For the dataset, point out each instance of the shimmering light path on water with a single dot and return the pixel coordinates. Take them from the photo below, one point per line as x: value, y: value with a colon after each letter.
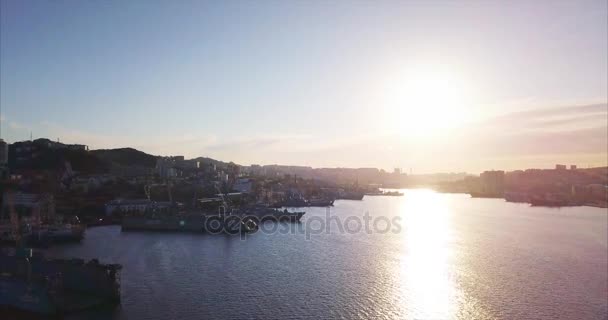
x: 444, y: 257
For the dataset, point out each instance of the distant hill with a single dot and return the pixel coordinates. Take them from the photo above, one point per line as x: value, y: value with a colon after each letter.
x: 205, y: 160
x: 126, y: 157
x: 44, y: 154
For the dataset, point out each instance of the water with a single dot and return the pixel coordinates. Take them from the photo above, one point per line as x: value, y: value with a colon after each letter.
x: 449, y: 257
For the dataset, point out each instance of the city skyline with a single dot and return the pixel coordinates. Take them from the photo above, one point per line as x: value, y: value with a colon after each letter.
x: 493, y: 86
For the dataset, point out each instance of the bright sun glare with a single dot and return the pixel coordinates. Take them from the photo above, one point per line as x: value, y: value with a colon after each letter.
x: 426, y: 100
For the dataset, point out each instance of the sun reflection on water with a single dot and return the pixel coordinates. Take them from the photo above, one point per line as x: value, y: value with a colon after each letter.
x: 425, y: 270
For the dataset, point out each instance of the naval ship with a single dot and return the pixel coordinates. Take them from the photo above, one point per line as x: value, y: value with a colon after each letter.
x: 241, y: 220
x: 221, y: 218
x: 189, y: 222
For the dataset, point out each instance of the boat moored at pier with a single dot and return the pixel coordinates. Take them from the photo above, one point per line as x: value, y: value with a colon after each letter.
x: 41, y: 286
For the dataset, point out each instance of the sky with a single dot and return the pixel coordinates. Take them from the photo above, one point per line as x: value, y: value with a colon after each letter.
x: 435, y: 86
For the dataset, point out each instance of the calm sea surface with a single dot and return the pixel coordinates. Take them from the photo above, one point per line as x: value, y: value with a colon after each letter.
x: 444, y: 256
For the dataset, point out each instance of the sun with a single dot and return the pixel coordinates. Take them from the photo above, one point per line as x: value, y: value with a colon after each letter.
x: 427, y: 100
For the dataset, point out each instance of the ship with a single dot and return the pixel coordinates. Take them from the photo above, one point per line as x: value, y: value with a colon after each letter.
x: 55, y: 233
x: 385, y: 193
x: 549, y: 201
x: 320, y: 202
x: 265, y: 213
x: 351, y: 195
x: 190, y: 222
x: 486, y: 195
x: 393, y: 193
x: 20, y: 298
x: 224, y: 220
x: 292, y: 203
x: 33, y: 284
x: 44, y: 235
x: 520, y: 197
x: 34, y: 228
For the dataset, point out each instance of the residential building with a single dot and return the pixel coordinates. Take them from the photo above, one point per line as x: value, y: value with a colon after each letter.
x: 27, y: 205
x: 243, y: 185
x: 492, y: 183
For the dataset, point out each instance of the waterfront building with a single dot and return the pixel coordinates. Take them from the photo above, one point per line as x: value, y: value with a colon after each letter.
x: 492, y: 183
x: 165, y: 167
x: 175, y: 166
x: 27, y: 205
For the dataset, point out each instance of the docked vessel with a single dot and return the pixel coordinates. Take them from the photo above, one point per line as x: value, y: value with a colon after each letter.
x: 264, y: 213
x: 17, y: 296
x: 44, y: 235
x: 190, y: 222
x: 393, y: 193
x: 55, y: 233
x: 520, y: 197
x: 31, y: 219
x: 385, y: 193
x: 320, y: 202
x: 36, y: 285
x: 292, y: 203
x: 549, y: 202
x: 301, y: 203
x: 351, y: 195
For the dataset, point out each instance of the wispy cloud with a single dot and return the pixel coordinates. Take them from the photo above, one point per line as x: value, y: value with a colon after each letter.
x: 15, y: 125
x: 578, y: 134
x: 260, y: 142
x: 556, y: 119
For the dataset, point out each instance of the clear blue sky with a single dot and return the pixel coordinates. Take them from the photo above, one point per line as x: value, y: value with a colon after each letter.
x: 297, y: 82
